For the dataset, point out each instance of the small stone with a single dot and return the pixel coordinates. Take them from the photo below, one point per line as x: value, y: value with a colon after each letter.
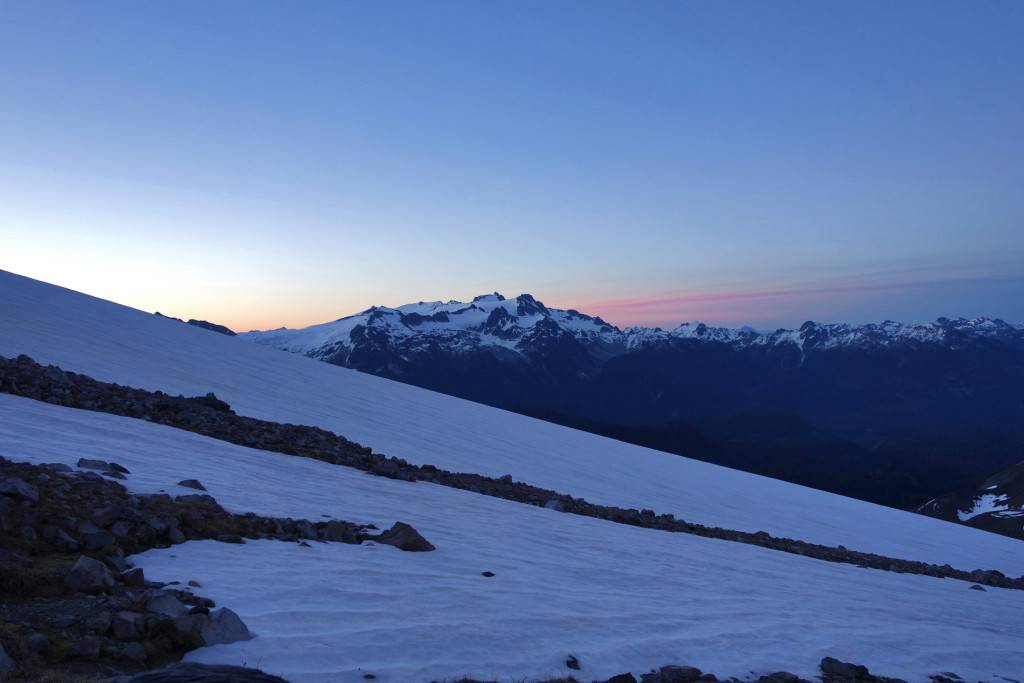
x: 976, y: 587
x: 87, y: 464
x: 573, y: 663
x: 487, y: 574
x: 192, y: 484
x: 194, y: 584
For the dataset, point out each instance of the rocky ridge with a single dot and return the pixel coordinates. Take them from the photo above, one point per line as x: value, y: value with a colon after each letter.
x: 211, y: 417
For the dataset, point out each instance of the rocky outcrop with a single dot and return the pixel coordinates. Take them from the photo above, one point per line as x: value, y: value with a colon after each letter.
x: 211, y: 417
x: 191, y: 672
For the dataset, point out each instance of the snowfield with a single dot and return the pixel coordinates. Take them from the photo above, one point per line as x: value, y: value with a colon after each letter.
x: 618, y: 598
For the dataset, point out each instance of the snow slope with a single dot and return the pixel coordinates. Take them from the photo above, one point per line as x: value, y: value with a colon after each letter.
x: 114, y: 343
x: 618, y: 598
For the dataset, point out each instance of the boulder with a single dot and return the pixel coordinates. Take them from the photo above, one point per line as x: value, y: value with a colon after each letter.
x: 404, y: 537
x: 134, y: 652
x: 224, y: 626
x: 622, y: 678
x: 162, y: 602
x: 6, y: 663
x: 19, y: 489
x: 673, y: 674
x: 835, y: 668
x: 340, y: 533
x: 192, y: 484
x: 128, y: 625
x: 89, y: 576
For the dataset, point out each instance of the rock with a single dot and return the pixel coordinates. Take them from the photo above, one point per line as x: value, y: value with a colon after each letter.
x: 7, y: 557
x: 230, y: 538
x: 60, y: 538
x: 673, y: 674
x: 853, y: 672
x: 63, y: 620
x: 340, y: 533
x: 191, y: 672
x: 573, y: 663
x: 175, y: 536
x: 56, y: 467
x: 128, y: 625
x: 404, y: 537
x: 134, y: 652
x: 116, y: 562
x: 87, y: 464
x: 97, y: 621
x: 85, y: 648
x: 99, y: 539
x: 113, y: 474
x: 89, y: 576
x: 779, y: 677
x: 487, y: 574
x: 192, y: 484
x: 6, y: 663
x: 162, y: 602
x: 976, y: 587
x: 224, y: 626
x: 19, y: 489
x: 37, y: 642
x: 622, y: 678
x: 134, y: 578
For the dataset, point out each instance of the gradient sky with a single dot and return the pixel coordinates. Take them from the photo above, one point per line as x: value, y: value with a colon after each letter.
x: 267, y: 164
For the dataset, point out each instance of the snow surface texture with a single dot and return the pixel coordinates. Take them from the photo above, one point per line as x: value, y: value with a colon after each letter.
x: 114, y: 343
x: 618, y: 598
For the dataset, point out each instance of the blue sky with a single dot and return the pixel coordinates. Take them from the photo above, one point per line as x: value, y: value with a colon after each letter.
x: 262, y: 164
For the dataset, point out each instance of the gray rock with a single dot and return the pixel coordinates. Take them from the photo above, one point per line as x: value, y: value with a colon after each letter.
x: 98, y: 539
x: 37, y: 642
x: 404, y: 537
x: 337, y: 532
x: 673, y: 674
x: 128, y: 625
x: 56, y: 467
x: 192, y: 484
x: 85, y: 648
x: 833, y: 667
x: 191, y: 672
x: 976, y: 587
x: 19, y: 490
x: 224, y: 626
x: 87, y: 464
x: 97, y: 621
x: 134, y: 578
x: 116, y: 562
x: 7, y: 557
x: 622, y: 678
x: 6, y: 663
x: 89, y: 576
x: 63, y: 620
x: 162, y: 602
x: 175, y: 536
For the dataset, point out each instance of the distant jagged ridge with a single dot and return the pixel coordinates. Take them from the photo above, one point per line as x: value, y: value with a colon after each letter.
x: 519, y: 324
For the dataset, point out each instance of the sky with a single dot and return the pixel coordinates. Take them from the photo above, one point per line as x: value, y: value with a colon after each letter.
x: 267, y: 164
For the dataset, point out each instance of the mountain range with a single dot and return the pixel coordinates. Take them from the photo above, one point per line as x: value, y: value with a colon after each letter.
x: 513, y: 591
x: 892, y: 413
